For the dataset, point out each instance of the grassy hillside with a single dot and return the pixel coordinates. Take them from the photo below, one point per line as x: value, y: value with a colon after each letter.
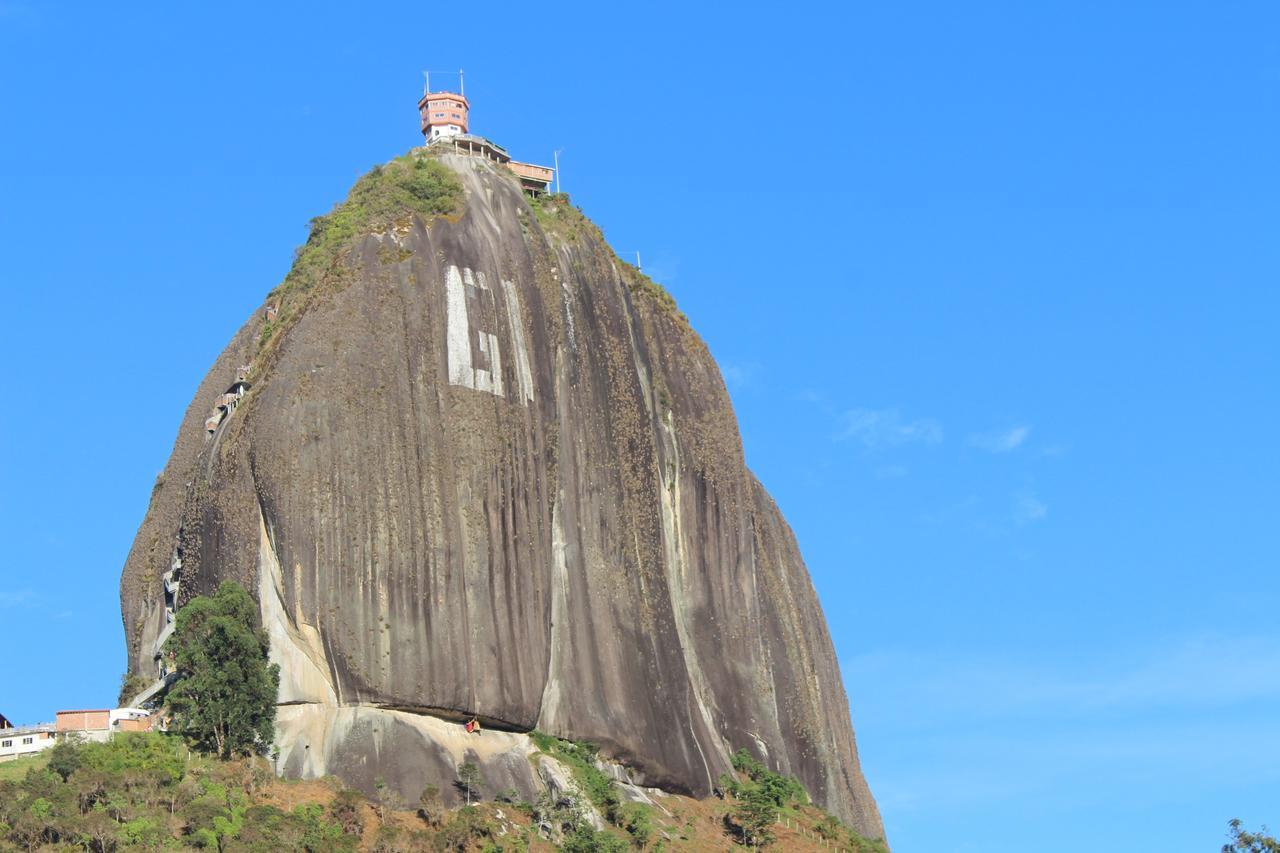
x: 150, y: 792
x: 14, y: 771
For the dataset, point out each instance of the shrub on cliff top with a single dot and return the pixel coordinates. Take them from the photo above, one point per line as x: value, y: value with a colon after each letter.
x: 387, y: 194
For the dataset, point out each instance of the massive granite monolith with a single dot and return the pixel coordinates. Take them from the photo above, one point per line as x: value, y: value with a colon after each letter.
x: 487, y: 469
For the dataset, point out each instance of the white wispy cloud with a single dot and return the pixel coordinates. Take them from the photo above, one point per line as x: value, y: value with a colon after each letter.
x: 737, y: 376
x: 17, y: 598
x: 1190, y: 672
x: 876, y: 428
x: 1005, y: 725
x: 663, y: 266
x: 1001, y: 440
x: 1027, y: 509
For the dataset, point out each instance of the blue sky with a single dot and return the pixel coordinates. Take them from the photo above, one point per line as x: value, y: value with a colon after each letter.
x: 993, y: 286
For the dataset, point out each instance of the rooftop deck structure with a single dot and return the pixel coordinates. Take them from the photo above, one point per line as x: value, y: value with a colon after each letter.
x: 536, y: 179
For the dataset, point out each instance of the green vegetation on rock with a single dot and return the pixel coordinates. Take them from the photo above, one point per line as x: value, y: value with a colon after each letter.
x: 640, y: 284
x: 780, y: 789
x: 387, y: 196
x: 581, y: 761
x: 561, y: 218
x: 584, y: 839
x: 597, y: 786
x: 762, y: 796
x: 131, y: 684
x: 558, y: 216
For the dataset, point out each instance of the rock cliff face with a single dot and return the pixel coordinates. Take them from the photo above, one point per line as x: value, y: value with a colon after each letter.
x: 494, y: 473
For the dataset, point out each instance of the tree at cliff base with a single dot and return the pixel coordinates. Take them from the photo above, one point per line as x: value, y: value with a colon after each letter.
x: 224, y: 701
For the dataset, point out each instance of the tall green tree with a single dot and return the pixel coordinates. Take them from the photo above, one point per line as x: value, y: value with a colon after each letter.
x: 224, y: 700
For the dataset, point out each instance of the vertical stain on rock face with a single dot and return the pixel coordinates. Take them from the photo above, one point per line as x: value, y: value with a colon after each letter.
x: 496, y: 474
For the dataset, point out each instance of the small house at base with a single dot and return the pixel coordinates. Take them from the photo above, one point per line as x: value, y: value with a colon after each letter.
x: 17, y: 741
x: 100, y: 724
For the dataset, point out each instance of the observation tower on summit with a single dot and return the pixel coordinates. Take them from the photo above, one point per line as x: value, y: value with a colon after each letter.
x: 443, y: 113
x: 446, y: 122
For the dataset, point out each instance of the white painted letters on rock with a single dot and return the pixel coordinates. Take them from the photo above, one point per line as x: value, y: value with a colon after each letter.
x: 475, y: 357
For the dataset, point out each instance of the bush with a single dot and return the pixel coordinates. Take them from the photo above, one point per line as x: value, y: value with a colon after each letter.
x: 585, y: 839
x: 320, y: 835
x: 781, y: 789
x: 466, y: 826
x: 142, y: 832
x: 345, y: 809
x: 759, y: 799
x: 143, y: 752
x: 754, y: 814
x: 64, y: 758
x: 829, y: 828
x: 596, y: 785
x: 147, y: 791
x: 393, y: 839
x: 430, y: 806
x: 638, y: 823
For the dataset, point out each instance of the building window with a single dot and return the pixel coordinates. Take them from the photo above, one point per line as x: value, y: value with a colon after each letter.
x: 27, y: 740
x: 439, y: 115
x: 6, y: 743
